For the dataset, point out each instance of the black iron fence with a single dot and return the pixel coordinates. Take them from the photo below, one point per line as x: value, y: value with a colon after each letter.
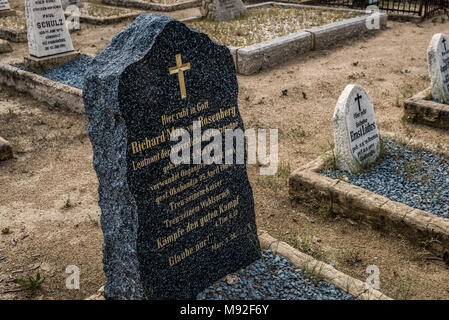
x: 422, y: 8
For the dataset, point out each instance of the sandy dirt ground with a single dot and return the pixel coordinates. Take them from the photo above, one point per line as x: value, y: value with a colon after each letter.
x: 48, y: 192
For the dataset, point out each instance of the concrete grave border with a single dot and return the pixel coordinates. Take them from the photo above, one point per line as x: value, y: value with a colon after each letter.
x: 42, y: 89
x: 348, y: 284
x: 106, y: 20
x: 248, y: 60
x: 138, y: 4
x: 357, y: 203
x: 420, y: 110
x: 259, y: 56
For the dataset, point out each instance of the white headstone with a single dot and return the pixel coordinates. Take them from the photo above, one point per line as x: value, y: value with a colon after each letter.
x: 4, y: 5
x: 47, y: 31
x: 438, y: 56
x: 355, y: 130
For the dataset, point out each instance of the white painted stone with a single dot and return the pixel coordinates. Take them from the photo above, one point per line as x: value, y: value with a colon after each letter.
x: 438, y: 57
x: 4, y: 5
x: 355, y: 130
x: 47, y: 31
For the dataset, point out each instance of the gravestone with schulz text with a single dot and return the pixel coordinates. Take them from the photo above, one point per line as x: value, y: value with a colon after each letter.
x: 438, y: 58
x: 356, y: 137
x: 46, y: 28
x: 170, y: 229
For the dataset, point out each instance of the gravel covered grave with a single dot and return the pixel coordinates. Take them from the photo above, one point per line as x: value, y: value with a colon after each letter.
x: 417, y: 178
x: 273, y: 277
x: 71, y: 73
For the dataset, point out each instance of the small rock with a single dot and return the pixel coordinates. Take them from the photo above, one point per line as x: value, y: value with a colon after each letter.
x: 231, y: 279
x: 5, y: 46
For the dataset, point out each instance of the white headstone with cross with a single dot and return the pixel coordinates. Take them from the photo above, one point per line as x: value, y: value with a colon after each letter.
x: 4, y: 5
x: 438, y: 56
x: 356, y: 138
x: 46, y: 28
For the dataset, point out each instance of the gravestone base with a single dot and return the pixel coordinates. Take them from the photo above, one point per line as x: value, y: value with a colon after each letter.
x: 5, y: 150
x: 40, y: 65
x: 7, y: 13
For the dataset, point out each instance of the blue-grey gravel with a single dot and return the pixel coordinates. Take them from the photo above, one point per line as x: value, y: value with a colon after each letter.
x: 273, y: 278
x: 417, y: 178
x: 71, y: 73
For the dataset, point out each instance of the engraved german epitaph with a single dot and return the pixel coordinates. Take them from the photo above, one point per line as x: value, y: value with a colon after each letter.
x: 170, y: 230
x: 46, y: 28
x: 355, y: 130
x: 4, y: 5
x: 438, y: 58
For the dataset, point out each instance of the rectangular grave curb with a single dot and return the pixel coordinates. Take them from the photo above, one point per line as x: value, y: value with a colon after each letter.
x: 106, y: 20
x: 42, y: 89
x: 370, y: 208
x: 153, y: 6
x: 344, y: 282
x: 263, y: 55
x: 418, y: 109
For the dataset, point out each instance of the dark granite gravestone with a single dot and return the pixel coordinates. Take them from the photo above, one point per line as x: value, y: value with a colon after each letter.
x: 169, y: 230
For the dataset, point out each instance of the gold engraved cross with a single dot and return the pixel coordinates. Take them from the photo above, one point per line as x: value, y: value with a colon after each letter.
x: 179, y: 69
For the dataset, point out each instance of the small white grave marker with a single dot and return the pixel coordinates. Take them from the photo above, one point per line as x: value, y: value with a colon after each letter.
x: 47, y: 31
x: 355, y: 130
x: 438, y: 57
x: 4, y: 5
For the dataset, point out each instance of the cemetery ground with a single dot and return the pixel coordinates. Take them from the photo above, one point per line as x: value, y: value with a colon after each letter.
x: 49, y: 198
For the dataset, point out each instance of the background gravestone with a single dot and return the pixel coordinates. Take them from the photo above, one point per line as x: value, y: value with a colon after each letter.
x: 4, y: 5
x: 438, y: 58
x: 46, y: 28
x: 169, y: 231
x: 355, y: 130
x: 66, y: 3
x: 223, y: 9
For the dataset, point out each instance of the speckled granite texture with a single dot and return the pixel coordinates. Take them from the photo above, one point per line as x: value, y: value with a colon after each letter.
x: 149, y: 217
